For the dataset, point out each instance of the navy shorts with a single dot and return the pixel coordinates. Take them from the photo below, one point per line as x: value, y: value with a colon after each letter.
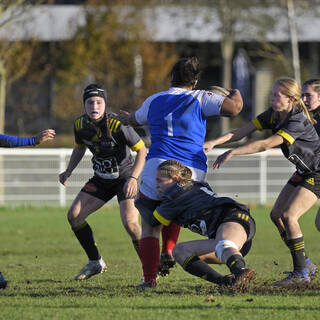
x: 310, y: 182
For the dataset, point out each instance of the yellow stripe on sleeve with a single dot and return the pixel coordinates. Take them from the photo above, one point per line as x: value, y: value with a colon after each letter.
x: 113, y: 125
x: 161, y: 219
x: 257, y: 124
x: 80, y: 145
x: 286, y: 136
x: 137, y: 146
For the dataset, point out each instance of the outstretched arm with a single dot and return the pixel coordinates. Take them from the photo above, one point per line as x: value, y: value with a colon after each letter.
x: 253, y: 147
x: 76, y: 156
x: 127, y: 118
x: 234, y: 135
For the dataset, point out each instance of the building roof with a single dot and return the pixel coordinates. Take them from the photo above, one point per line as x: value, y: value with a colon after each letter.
x: 165, y: 24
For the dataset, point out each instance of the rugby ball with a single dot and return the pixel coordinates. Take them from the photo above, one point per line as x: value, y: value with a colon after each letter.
x: 219, y: 90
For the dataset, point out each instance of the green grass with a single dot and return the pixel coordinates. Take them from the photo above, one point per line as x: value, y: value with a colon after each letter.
x: 39, y: 256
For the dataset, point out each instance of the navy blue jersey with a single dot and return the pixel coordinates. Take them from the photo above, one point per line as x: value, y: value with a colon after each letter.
x: 301, y: 144
x: 195, y: 206
x: 13, y: 141
x: 177, y: 124
x: 112, y: 158
x: 316, y: 116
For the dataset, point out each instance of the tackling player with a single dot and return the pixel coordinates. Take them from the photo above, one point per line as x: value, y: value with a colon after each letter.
x: 116, y: 173
x: 193, y: 205
x: 177, y: 124
x: 293, y: 131
x: 14, y: 141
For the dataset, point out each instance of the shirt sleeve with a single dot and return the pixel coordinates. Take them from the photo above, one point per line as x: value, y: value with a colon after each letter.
x: 133, y: 140
x: 14, y: 141
x: 293, y: 128
x: 263, y: 120
x: 210, y: 102
x: 166, y: 212
x: 141, y: 114
x: 78, y: 141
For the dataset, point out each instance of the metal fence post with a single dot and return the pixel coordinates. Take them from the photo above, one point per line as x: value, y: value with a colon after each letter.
x: 263, y: 178
x: 62, y: 167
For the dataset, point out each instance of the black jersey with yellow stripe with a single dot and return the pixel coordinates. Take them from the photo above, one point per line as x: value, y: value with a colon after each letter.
x: 192, y: 201
x: 316, y: 116
x: 301, y: 142
x: 110, y: 143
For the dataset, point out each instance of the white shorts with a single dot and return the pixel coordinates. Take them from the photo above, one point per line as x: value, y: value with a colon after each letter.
x: 148, y: 177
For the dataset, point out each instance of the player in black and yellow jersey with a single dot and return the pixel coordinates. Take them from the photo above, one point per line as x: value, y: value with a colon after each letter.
x: 293, y: 131
x: 193, y: 205
x: 116, y: 173
x: 311, y: 98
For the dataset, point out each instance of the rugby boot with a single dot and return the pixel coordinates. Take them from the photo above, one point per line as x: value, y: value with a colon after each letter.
x: 311, y: 266
x: 92, y: 268
x: 294, y: 278
x: 166, y: 263
x: 3, y: 282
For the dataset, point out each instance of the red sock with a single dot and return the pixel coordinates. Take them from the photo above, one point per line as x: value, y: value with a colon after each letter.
x: 170, y: 235
x: 149, y: 254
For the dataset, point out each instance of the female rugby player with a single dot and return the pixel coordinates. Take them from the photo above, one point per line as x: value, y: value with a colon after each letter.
x: 115, y: 174
x: 293, y: 131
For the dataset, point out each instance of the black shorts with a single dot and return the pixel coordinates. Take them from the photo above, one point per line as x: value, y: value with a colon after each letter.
x: 234, y: 214
x: 105, y: 190
x: 310, y: 182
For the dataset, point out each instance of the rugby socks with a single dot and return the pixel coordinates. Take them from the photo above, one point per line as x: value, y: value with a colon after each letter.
x: 136, y: 245
x: 149, y: 253
x: 170, y: 235
x: 284, y: 238
x: 199, y: 268
x: 298, y: 253
x: 84, y: 235
x: 236, y: 264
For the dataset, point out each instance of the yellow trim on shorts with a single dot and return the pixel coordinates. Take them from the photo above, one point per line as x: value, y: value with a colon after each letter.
x: 161, y: 219
x: 137, y: 146
x: 257, y: 124
x: 286, y: 136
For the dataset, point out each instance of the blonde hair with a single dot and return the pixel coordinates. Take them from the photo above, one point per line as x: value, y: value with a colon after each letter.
x: 173, y: 168
x: 292, y: 89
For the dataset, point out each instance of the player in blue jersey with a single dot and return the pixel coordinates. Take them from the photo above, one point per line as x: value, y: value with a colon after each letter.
x: 13, y: 142
x: 293, y: 131
x: 116, y: 173
x: 177, y: 125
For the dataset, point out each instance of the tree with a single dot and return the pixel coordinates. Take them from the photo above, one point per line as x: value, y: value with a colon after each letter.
x: 15, y: 56
x: 106, y: 49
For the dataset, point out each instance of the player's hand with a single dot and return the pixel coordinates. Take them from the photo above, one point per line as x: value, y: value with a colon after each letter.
x: 45, y: 135
x: 222, y: 159
x: 63, y: 177
x: 124, y: 117
x: 131, y: 188
x: 208, y: 146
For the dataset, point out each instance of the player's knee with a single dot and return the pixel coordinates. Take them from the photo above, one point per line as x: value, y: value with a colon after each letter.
x: 179, y: 252
x: 222, y: 246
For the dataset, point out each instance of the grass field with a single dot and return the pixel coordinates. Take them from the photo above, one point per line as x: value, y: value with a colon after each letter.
x: 39, y: 256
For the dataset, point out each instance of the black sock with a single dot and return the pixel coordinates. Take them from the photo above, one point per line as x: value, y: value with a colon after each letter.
x: 199, y: 268
x: 298, y: 253
x: 136, y: 245
x: 85, y: 236
x: 236, y: 264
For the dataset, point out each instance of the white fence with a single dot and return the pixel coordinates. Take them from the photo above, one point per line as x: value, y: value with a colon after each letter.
x: 30, y: 176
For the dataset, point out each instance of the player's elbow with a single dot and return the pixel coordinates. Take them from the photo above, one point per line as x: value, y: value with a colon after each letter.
x: 231, y: 108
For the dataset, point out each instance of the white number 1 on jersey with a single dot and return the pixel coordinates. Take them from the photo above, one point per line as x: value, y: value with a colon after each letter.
x: 170, y: 127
